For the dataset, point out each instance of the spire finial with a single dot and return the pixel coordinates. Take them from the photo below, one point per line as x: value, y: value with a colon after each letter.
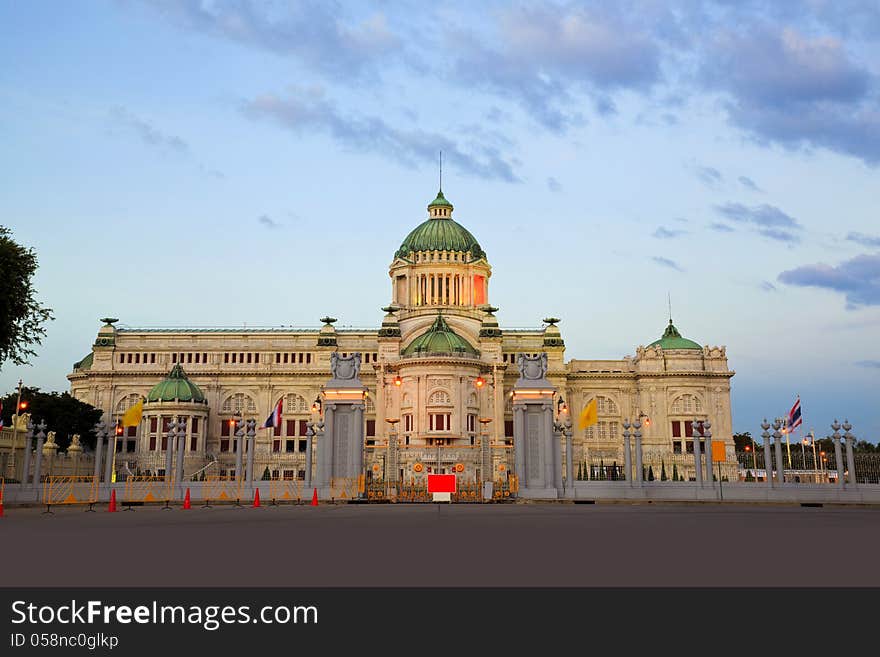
x: 441, y: 172
x: 669, y: 301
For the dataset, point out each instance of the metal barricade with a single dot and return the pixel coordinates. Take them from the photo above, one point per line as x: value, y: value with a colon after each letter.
x: 141, y: 489
x: 289, y: 490
x: 222, y: 489
x: 68, y: 489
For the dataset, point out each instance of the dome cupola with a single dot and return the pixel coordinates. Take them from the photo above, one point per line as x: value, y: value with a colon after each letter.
x: 176, y: 388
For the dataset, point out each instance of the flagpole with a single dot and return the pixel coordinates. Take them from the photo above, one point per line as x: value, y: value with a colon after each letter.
x: 787, y: 442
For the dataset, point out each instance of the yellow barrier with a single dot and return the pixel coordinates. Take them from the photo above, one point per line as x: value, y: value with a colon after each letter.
x: 221, y: 489
x: 344, y: 488
x: 285, y: 489
x: 58, y: 490
x: 143, y: 489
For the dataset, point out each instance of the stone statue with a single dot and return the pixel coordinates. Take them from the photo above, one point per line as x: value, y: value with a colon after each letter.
x: 532, y: 368
x: 75, y: 445
x: 345, y: 368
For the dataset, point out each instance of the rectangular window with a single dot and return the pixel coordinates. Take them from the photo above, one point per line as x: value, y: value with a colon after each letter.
x: 276, y: 446
x: 204, y: 357
x: 676, y: 447
x: 152, y: 443
x: 153, y: 424
x: 286, y: 356
x: 276, y: 431
x: 226, y: 357
x: 189, y: 357
x: 676, y: 429
x: 277, y: 358
x: 129, y: 358
x: 195, y: 425
x: 689, y: 446
x: 689, y: 429
x: 164, y: 443
x: 289, y: 446
x: 120, y: 445
x: 193, y: 443
x: 471, y: 422
x: 198, y: 357
x: 166, y: 424
x: 479, y: 292
x: 508, y: 428
x: 439, y: 422
x: 308, y: 358
x: 137, y: 358
x: 152, y: 358
x: 303, y: 445
x: 174, y: 358
x: 130, y: 446
x: 121, y: 358
x: 241, y: 357
x: 131, y: 432
x: 234, y: 357
x: 303, y: 427
x: 288, y: 475
x: 371, y: 427
x: 256, y: 358
x: 249, y: 358
x: 275, y: 475
x: 224, y: 427
x: 407, y: 423
x: 300, y: 474
x: 291, y: 428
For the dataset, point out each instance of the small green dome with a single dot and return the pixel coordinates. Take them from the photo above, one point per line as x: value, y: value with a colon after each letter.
x: 440, y: 233
x: 439, y: 339
x: 672, y: 339
x: 85, y: 363
x: 440, y: 201
x: 176, y: 387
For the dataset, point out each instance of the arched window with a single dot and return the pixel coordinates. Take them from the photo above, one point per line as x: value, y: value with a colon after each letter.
x: 606, y: 406
x: 369, y: 406
x: 687, y: 404
x: 239, y: 403
x: 472, y: 400
x: 406, y: 401
x: 294, y: 403
x: 127, y: 402
x: 607, y: 426
x: 439, y: 398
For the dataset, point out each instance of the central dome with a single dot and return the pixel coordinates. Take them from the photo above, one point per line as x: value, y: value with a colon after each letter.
x: 440, y: 233
x: 176, y: 387
x: 440, y: 339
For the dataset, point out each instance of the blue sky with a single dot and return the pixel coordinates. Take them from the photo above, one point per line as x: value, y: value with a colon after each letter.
x: 223, y: 163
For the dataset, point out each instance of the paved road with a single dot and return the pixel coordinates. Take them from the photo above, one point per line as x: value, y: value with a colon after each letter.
x: 444, y: 545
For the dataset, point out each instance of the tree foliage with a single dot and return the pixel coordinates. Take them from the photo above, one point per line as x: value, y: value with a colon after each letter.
x: 21, y: 315
x: 61, y: 412
x: 741, y: 440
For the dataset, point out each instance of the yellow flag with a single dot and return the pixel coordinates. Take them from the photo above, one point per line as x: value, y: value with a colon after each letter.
x: 588, y: 416
x: 132, y: 417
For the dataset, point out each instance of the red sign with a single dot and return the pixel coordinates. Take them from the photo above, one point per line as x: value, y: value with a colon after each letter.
x: 441, y: 483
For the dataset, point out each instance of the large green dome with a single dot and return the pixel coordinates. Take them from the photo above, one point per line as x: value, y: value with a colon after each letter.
x: 439, y: 339
x: 176, y: 387
x: 440, y: 233
x: 671, y: 339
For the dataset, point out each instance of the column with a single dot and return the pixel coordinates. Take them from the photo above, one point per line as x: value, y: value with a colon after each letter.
x: 550, y: 447
x: 250, y: 459
x: 239, y: 449
x: 768, y: 460
x: 569, y: 466
x: 627, y: 458
x: 698, y: 462
x: 556, y: 446
x: 498, y: 392
x: 637, y: 434
x: 99, y: 448
x: 518, y: 446
x: 381, y: 411
x: 838, y: 459
x: 169, y: 448
x: 38, y: 462
x: 26, y: 467
x: 111, y: 449
x: 850, y: 458
x: 780, y: 464
x: 709, y: 464
x: 181, y: 447
x: 309, y: 435
x: 356, y: 454
x: 441, y: 279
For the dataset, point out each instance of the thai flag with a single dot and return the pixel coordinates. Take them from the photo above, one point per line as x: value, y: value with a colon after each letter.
x: 274, y: 419
x: 794, y: 415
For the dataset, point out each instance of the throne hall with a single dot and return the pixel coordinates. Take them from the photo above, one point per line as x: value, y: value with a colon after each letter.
x: 438, y: 372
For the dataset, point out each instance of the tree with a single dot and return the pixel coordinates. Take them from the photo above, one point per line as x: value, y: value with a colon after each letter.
x: 740, y: 440
x: 650, y: 473
x: 22, y: 319
x: 580, y: 472
x: 675, y: 472
x: 663, y: 476
x: 266, y: 474
x: 602, y: 469
x: 61, y: 412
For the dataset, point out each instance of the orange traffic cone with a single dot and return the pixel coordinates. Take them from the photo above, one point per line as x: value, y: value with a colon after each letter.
x: 186, y: 504
x: 1, y: 507
x: 112, y: 507
x: 257, y: 498
x: 315, y: 497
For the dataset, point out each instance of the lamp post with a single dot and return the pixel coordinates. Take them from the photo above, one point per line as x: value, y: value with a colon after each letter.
x: 486, y: 471
x: 637, y: 434
x: 698, y: 462
x: 171, y: 434
x: 28, y: 437
x: 99, y: 448
x: 251, y: 450
x: 239, y: 445
x: 41, y: 436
